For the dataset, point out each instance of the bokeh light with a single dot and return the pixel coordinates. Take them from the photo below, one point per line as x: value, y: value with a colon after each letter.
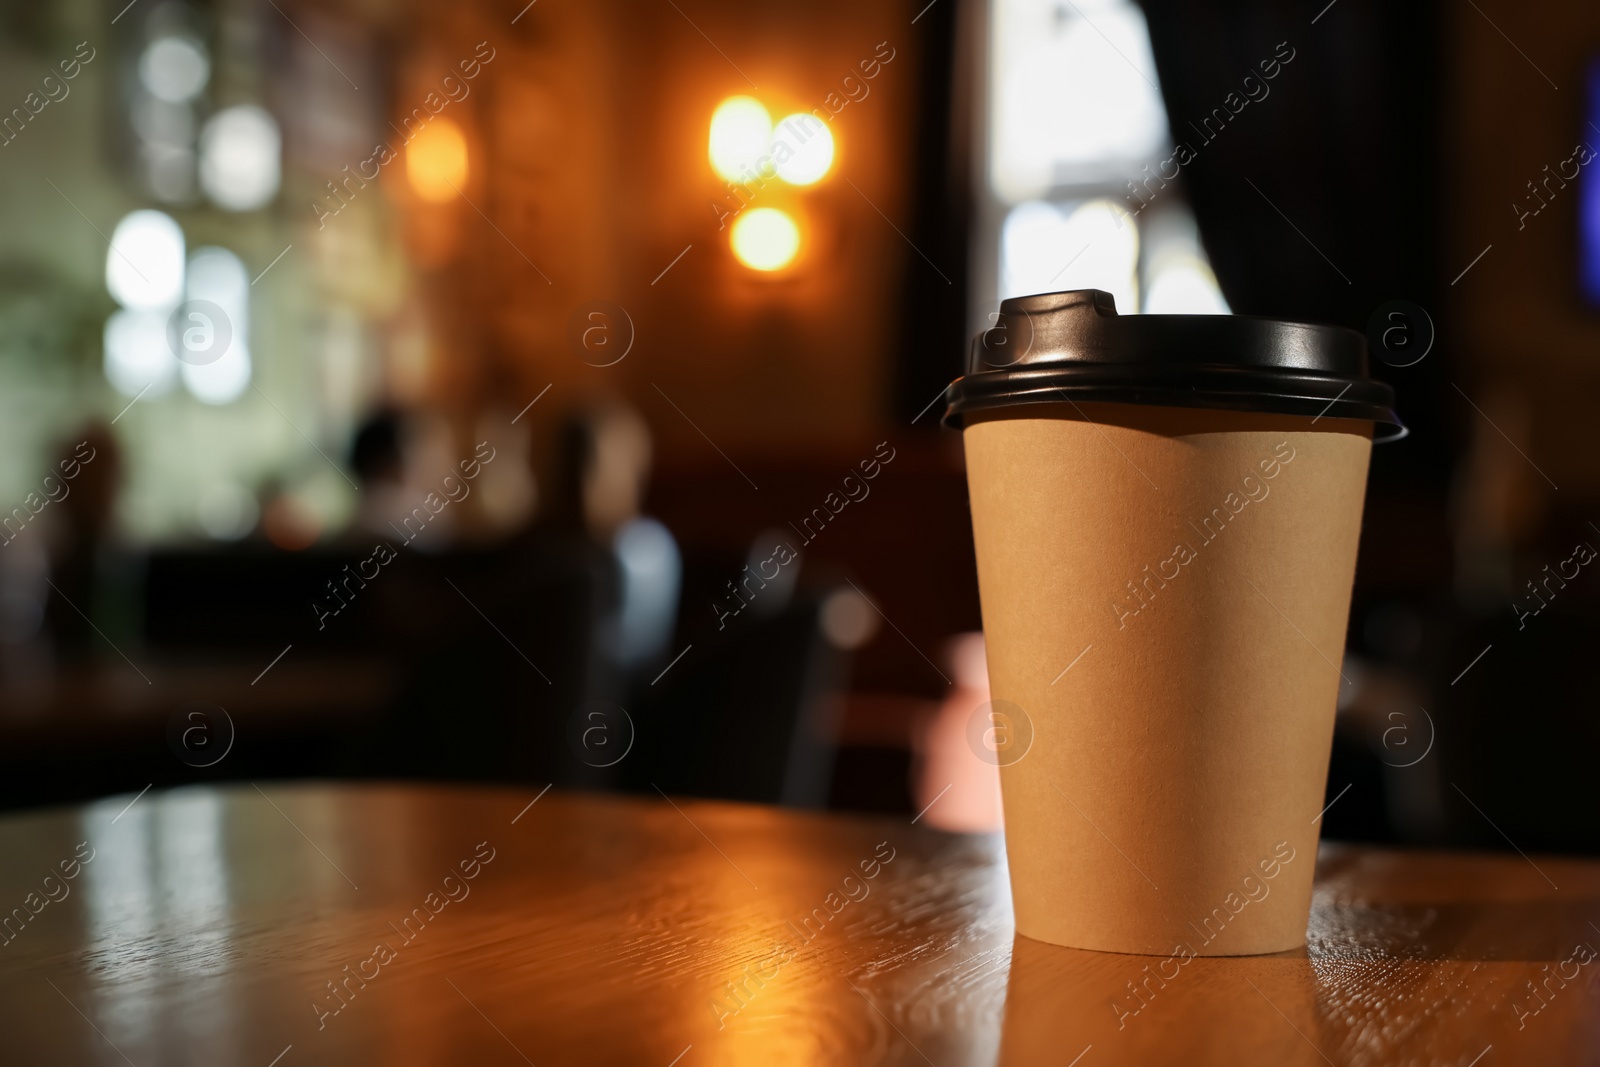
x: 239, y: 158
x: 137, y: 359
x: 217, y: 275
x: 812, y: 144
x: 1047, y: 247
x: 1184, y: 286
x: 223, y: 380
x: 741, y: 130
x: 174, y: 69
x: 169, y: 170
x: 848, y: 619
x: 765, y: 239
x: 436, y: 161
x: 227, y: 511
x: 144, y: 265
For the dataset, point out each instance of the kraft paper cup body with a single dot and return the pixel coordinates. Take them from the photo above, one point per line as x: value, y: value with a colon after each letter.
x: 1165, y: 595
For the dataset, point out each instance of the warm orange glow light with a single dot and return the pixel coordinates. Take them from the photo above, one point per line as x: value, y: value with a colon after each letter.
x: 436, y: 161
x: 802, y: 149
x: 765, y: 239
x: 741, y: 130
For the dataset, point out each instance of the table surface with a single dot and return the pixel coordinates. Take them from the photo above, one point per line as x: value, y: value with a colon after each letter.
x: 212, y: 925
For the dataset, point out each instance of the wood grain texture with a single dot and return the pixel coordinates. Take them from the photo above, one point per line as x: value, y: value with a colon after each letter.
x: 208, y: 923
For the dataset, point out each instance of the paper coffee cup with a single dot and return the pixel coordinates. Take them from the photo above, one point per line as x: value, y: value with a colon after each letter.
x: 1165, y: 592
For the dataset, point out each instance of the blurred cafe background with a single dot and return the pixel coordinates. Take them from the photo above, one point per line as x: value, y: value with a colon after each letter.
x: 550, y: 392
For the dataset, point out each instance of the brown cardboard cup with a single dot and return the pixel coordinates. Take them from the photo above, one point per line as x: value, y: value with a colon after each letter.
x: 1165, y: 594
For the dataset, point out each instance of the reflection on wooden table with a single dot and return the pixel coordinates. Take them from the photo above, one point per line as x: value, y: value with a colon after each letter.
x: 444, y: 925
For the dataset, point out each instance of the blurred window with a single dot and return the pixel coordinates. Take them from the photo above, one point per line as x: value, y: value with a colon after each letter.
x: 1075, y: 119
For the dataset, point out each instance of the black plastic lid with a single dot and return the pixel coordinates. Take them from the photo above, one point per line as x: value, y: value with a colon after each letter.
x: 1073, y: 346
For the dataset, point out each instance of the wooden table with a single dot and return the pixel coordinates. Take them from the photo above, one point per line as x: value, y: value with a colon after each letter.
x: 209, y: 923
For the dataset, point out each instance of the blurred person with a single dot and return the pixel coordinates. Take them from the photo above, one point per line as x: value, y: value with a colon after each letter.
x: 651, y: 566
x: 24, y: 590
x: 410, y: 472
x: 376, y: 456
x: 602, y: 466
x: 955, y: 778
x: 76, y: 539
x: 505, y: 494
x: 378, y: 459
x: 578, y: 602
x: 24, y: 566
